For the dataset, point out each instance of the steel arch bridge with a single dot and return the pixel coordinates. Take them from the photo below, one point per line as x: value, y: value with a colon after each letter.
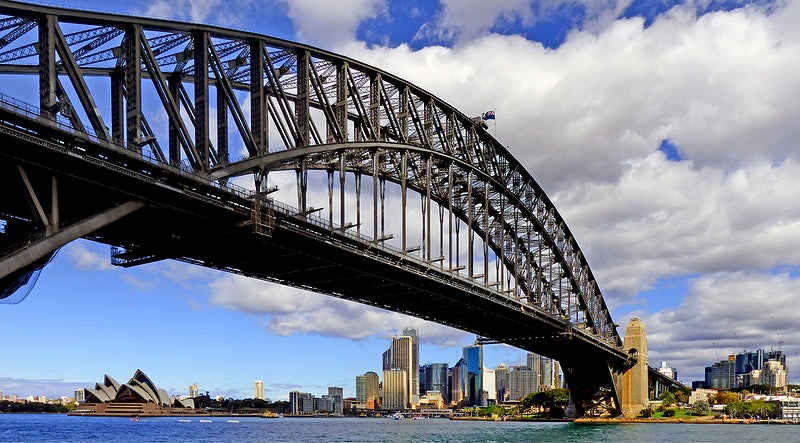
x: 120, y: 129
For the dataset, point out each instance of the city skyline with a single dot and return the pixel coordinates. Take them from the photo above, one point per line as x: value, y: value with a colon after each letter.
x: 661, y: 130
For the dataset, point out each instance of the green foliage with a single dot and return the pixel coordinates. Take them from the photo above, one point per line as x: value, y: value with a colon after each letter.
x: 31, y: 406
x: 669, y: 413
x: 667, y: 399
x: 701, y: 407
x: 725, y: 397
x: 553, y: 402
x: 646, y: 412
x: 492, y: 410
x: 752, y: 409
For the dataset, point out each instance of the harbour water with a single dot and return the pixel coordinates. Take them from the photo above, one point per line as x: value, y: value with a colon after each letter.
x: 22, y: 428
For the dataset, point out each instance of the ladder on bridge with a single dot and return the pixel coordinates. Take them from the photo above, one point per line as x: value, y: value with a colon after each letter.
x: 262, y: 216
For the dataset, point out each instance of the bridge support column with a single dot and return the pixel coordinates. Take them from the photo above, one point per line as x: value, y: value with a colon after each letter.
x: 593, y: 387
x: 634, y: 380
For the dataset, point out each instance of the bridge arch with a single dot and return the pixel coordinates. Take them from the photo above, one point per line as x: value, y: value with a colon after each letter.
x: 309, y: 110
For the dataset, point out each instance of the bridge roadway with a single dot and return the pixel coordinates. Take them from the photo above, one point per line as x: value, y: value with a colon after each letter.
x: 61, y: 183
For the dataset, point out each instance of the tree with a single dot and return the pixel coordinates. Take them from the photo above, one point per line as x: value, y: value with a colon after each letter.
x: 725, y: 397
x: 553, y: 401
x: 667, y: 399
x: 701, y: 407
x: 492, y: 410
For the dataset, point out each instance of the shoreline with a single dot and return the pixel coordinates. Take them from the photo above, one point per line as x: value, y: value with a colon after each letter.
x: 701, y: 421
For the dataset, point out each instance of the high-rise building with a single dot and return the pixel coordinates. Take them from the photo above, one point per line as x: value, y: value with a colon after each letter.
x: 413, y: 370
x: 456, y: 379
x: 395, y: 389
x: 773, y: 374
x: 667, y: 371
x: 361, y: 391
x: 367, y: 391
x: 435, y: 380
x: 722, y: 375
x: 301, y: 403
x: 522, y: 380
x: 336, y: 395
x: 535, y: 363
x: 193, y: 391
x: 387, y: 359
x: 489, y: 393
x: 402, y: 358
x: 501, y: 382
x: 549, y: 375
x: 472, y: 377
x: 259, y: 394
x: 80, y: 395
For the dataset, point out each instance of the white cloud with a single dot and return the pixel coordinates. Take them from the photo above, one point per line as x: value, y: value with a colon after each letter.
x: 724, y: 313
x: 288, y: 311
x: 217, y: 12
x: 87, y: 256
x: 329, y: 24
x: 464, y: 20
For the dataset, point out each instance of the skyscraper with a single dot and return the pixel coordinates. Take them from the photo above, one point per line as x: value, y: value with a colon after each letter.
x: 472, y: 377
x: 456, y: 379
x: 193, y: 391
x: 522, y: 380
x: 402, y: 358
x: 501, y: 381
x: 489, y: 392
x: 336, y: 395
x: 395, y: 389
x: 259, y: 394
x: 413, y: 370
x: 301, y: 403
x: 367, y: 391
x: 436, y: 380
x: 550, y: 375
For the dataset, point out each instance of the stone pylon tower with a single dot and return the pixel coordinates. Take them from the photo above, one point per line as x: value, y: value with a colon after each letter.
x: 634, y: 381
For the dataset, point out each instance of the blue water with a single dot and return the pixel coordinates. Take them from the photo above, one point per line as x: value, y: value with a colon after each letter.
x: 61, y: 428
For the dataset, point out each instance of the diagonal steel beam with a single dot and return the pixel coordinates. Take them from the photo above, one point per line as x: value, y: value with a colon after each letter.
x: 76, y: 78
x: 43, y: 247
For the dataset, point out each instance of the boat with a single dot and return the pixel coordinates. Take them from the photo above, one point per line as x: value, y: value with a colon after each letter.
x: 135, y: 418
x: 205, y: 421
x: 233, y: 421
x: 418, y: 417
x: 397, y: 416
x: 184, y: 420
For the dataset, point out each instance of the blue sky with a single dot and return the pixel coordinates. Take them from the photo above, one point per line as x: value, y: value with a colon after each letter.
x: 664, y: 131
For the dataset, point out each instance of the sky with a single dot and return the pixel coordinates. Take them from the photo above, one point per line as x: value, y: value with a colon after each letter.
x: 665, y: 132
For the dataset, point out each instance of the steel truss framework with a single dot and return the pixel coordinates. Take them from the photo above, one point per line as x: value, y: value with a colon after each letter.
x: 311, y: 110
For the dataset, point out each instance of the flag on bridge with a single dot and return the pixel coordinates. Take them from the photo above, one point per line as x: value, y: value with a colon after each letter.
x: 488, y: 115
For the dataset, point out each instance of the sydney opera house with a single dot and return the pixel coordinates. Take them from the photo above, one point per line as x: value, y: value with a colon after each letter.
x: 139, y: 396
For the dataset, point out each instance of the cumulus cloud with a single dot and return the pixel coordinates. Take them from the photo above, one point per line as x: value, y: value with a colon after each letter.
x: 724, y: 313
x: 200, y: 11
x: 285, y: 311
x: 464, y: 20
x: 330, y: 24
x: 88, y: 256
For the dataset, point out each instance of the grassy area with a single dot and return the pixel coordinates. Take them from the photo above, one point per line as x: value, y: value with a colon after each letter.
x: 679, y: 413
